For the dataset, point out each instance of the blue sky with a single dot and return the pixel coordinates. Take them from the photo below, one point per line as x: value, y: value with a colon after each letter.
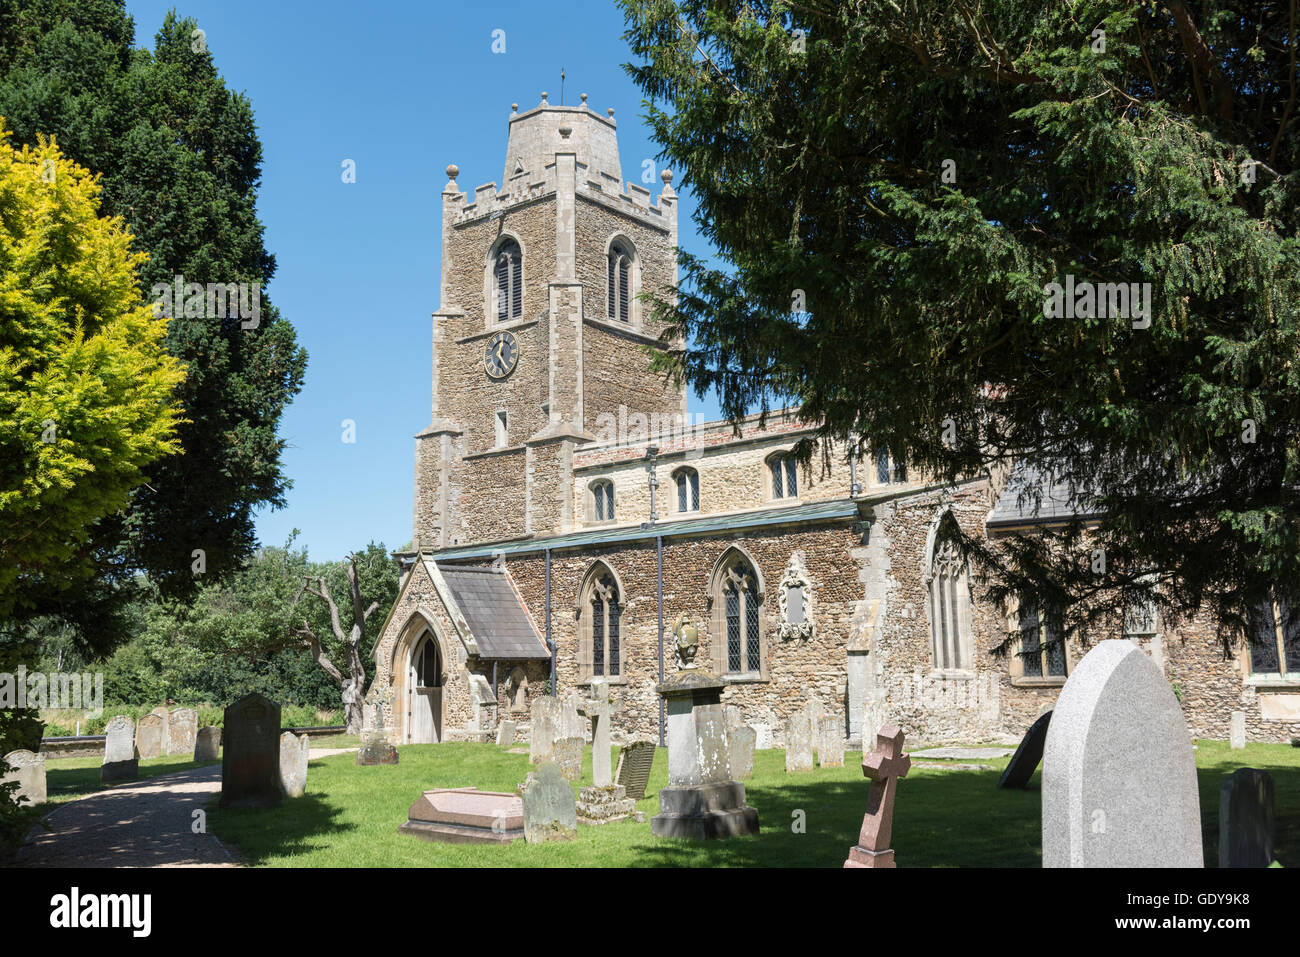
x: 403, y: 89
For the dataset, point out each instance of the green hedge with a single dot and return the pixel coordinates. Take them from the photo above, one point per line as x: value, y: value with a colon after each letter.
x: 291, y: 716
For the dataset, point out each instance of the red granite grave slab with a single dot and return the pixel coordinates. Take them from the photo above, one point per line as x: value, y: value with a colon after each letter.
x: 466, y: 814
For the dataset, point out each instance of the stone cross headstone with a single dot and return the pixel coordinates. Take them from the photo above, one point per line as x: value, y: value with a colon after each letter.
x: 506, y: 733
x: 550, y: 809
x: 600, y: 710
x: 1024, y: 762
x: 1119, y: 776
x: 830, y: 744
x: 1237, y: 731
x: 250, y: 753
x: 568, y: 757
x: 798, y: 742
x: 149, y: 736
x: 543, y: 729
x: 884, y: 767
x: 121, y: 760
x: 635, y: 760
x: 182, y: 727
x: 1246, y: 819
x: 28, y: 769
x: 207, y: 744
x: 740, y: 752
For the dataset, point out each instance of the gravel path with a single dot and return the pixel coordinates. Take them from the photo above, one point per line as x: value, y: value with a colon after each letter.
x: 140, y: 824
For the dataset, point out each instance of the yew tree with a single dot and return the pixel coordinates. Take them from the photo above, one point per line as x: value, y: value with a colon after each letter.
x: 892, y: 187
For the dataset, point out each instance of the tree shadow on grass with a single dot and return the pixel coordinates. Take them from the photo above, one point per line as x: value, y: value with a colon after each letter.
x: 298, y: 826
x: 942, y: 819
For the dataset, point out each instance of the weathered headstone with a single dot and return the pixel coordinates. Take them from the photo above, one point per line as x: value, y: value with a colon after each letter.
x: 182, y: 727
x: 740, y: 752
x: 207, y: 744
x: 830, y: 743
x: 506, y: 733
x: 572, y: 724
x: 149, y: 736
x: 376, y: 748
x: 163, y: 713
x: 121, y: 760
x: 250, y: 753
x: 1237, y: 731
x: 543, y: 729
x: 734, y: 719
x: 1246, y: 819
x: 874, y: 717
x: 465, y: 816
x: 550, y: 811
x: 293, y: 764
x: 1119, y: 776
x: 28, y: 769
x: 568, y: 757
x: 635, y: 760
x: 884, y: 767
x: 798, y: 742
x: 1023, y: 763
x: 762, y: 736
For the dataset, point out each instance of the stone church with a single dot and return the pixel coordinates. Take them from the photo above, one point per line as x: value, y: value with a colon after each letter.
x: 570, y: 514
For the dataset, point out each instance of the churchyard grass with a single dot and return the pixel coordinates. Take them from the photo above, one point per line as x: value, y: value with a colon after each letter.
x: 944, y: 818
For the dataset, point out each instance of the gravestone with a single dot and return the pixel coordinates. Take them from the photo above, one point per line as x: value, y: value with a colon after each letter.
x: 1237, y: 731
x: 874, y: 717
x: 28, y: 769
x: 572, y: 724
x: 163, y: 713
x: 550, y: 811
x: 149, y: 736
x: 762, y: 736
x: 182, y: 727
x: 701, y: 800
x: 798, y: 742
x: 543, y: 729
x: 293, y: 764
x: 465, y: 816
x: 734, y: 719
x: 506, y: 734
x: 604, y: 801
x: 1246, y: 819
x: 1023, y: 763
x: 635, y: 760
x: 207, y: 744
x: 568, y: 757
x: 121, y: 760
x: 830, y: 744
x: 740, y: 752
x: 884, y: 767
x: 1119, y: 776
x: 375, y: 747
x: 250, y: 753
x: 599, y: 710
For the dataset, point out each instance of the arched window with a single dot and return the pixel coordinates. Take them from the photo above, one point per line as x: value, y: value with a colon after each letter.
x: 688, y: 489
x: 508, y: 282
x: 1274, y: 638
x: 600, y: 613
x: 737, y: 618
x: 601, y: 501
x: 784, y: 473
x: 619, y: 292
x: 949, y: 599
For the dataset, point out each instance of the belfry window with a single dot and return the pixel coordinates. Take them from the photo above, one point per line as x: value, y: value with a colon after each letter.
x: 618, y: 299
x: 602, y: 501
x: 508, y: 282
x: 785, y: 478
x: 688, y: 490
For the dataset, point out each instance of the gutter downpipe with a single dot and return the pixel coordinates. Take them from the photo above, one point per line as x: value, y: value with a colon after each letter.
x: 550, y: 643
x: 659, y: 565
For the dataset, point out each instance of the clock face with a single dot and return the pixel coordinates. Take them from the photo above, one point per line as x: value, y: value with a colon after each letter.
x: 500, y: 356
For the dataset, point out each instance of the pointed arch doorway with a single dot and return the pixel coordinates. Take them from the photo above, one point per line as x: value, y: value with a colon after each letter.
x: 424, y: 692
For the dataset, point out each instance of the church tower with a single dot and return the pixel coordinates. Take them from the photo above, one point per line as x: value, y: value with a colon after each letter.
x: 539, y: 337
